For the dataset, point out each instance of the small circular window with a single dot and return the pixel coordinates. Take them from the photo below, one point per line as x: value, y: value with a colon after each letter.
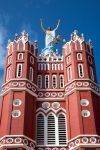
x: 85, y: 113
x: 16, y: 113
x: 17, y: 102
x: 84, y: 102
x: 32, y: 60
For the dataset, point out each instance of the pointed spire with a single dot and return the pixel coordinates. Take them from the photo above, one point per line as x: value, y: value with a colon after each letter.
x: 16, y: 36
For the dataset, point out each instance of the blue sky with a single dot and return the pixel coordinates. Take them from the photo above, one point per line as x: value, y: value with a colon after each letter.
x: 18, y: 15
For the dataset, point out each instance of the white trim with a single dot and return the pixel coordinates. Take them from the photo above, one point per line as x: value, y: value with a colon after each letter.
x: 83, y: 135
x: 14, y: 79
x: 51, y: 99
x: 61, y: 75
x: 69, y: 73
x: 47, y: 77
x: 31, y: 74
x: 52, y: 90
x: 31, y: 59
x: 91, y: 73
x: 18, y: 56
x: 81, y: 74
x: 39, y: 78
x: 40, y: 109
x: 18, y: 136
x: 8, y: 74
x: 82, y: 80
x: 19, y: 66
x: 68, y: 93
x: 19, y: 89
x: 79, y: 55
x: 54, y: 80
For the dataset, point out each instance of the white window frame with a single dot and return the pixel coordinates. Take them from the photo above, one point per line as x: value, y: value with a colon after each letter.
x: 31, y: 71
x: 45, y: 66
x: 91, y: 73
x: 40, y: 78
x: 31, y: 59
x: 79, y: 56
x: 9, y: 60
x: 8, y: 74
x: 68, y: 59
x: 54, y: 81
x: 45, y: 81
x: 61, y: 81
x: 18, y: 56
x: 69, y: 73
x: 56, y: 128
x: 18, y: 65
x: 81, y: 74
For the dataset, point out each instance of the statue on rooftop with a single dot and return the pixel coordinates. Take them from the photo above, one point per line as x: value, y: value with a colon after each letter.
x: 50, y: 38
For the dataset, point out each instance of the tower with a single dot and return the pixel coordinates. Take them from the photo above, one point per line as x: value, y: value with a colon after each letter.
x: 17, y: 122
x: 81, y: 94
x: 50, y: 101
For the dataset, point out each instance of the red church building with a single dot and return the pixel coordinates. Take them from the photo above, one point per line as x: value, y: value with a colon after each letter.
x: 50, y: 101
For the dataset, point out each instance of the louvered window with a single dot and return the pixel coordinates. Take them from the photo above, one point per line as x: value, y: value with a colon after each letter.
x: 40, y: 129
x: 51, y: 130
x: 62, y: 129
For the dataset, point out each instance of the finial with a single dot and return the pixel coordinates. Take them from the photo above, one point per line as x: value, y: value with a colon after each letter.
x: 75, y: 32
x: 9, y: 41
x: 56, y: 51
x: 82, y: 35
x: 16, y: 36
x: 64, y: 41
x: 71, y: 36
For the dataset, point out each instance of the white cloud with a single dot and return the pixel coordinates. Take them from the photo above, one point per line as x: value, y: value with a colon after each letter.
x: 3, y: 36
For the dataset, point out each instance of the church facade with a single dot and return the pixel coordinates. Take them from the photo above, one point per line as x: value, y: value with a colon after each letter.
x: 50, y: 101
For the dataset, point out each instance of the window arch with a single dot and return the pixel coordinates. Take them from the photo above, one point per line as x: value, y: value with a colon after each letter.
x: 80, y: 70
x: 39, y: 81
x: 40, y: 129
x: 62, y: 129
x: 51, y: 129
x: 20, y: 56
x: 8, y: 74
x: 69, y: 73
x: 31, y: 74
x: 91, y: 73
x: 61, y: 81
x: 54, y: 81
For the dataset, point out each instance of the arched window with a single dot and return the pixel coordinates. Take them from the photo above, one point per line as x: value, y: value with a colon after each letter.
x: 61, y: 81
x: 31, y: 59
x: 19, y: 71
x: 31, y: 74
x: 79, y: 56
x: 69, y: 73
x: 40, y: 129
x: 80, y: 71
x: 62, y: 129
x: 54, y: 81
x: 20, y: 56
x: 8, y: 74
x: 91, y: 73
x: 46, y: 81
x: 51, y: 129
x: 39, y: 81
